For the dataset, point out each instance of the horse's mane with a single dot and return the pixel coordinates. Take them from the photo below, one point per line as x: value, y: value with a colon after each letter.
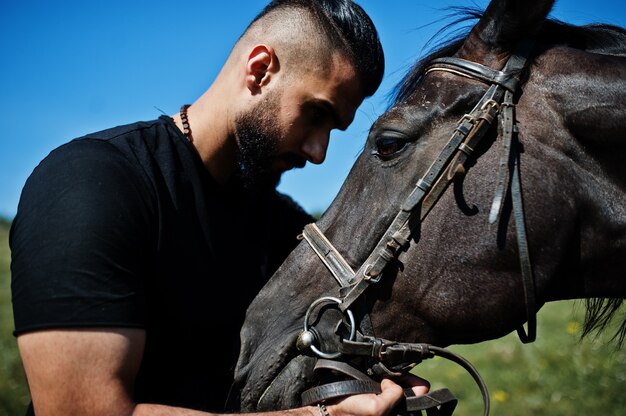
x: 596, y: 38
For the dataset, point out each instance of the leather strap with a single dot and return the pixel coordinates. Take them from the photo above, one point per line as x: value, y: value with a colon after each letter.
x: 436, y: 403
x: 341, y: 367
x: 528, y: 277
x: 474, y: 70
x: 338, y: 389
x: 507, y: 129
x: 334, y: 261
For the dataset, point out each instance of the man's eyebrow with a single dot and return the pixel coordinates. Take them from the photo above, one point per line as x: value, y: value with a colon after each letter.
x: 334, y: 114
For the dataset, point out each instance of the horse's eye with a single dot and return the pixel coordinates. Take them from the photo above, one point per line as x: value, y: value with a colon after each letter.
x: 389, y: 145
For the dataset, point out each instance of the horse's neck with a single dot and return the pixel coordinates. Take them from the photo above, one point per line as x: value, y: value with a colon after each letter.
x: 588, y: 92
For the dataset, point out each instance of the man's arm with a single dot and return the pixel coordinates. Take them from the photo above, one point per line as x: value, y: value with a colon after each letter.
x: 359, y: 405
x: 92, y: 371
x: 82, y: 371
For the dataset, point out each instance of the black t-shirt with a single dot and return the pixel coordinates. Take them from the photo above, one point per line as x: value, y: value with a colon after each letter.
x: 126, y: 228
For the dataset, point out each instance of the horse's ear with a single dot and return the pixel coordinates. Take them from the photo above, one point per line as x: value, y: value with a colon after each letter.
x: 506, y: 22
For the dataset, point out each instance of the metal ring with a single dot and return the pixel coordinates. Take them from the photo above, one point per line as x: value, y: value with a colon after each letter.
x: 322, y: 354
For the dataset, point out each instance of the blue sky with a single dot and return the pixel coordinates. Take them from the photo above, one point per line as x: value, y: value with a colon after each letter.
x: 68, y: 68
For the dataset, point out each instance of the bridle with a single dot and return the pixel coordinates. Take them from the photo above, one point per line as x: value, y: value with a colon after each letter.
x: 394, y: 358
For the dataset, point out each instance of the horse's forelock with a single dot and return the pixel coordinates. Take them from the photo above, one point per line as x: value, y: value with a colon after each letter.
x: 446, y: 47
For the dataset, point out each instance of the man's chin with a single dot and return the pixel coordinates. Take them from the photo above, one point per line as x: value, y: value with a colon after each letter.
x: 260, y: 181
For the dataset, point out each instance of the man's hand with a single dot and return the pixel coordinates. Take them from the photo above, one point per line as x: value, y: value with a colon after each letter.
x: 378, y: 404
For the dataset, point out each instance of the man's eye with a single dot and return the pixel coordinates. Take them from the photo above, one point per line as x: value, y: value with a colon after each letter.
x: 388, y: 146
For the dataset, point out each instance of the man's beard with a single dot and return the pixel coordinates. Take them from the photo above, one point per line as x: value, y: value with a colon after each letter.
x: 258, y: 134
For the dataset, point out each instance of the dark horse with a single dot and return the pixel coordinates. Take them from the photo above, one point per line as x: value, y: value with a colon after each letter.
x: 458, y: 279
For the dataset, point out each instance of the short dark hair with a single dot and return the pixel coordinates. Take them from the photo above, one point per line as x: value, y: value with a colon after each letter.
x: 349, y: 30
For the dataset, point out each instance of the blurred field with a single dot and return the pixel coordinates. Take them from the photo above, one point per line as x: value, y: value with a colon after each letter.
x: 13, y: 391
x: 557, y: 375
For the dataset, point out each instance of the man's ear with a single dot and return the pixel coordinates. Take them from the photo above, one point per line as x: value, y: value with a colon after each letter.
x: 261, y: 65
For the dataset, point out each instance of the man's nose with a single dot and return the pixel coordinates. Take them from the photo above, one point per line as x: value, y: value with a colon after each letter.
x: 315, y: 147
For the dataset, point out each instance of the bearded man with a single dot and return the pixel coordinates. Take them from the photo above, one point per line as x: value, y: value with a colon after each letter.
x: 136, y: 250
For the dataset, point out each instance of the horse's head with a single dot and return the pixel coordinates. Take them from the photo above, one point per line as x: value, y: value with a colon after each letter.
x: 458, y: 279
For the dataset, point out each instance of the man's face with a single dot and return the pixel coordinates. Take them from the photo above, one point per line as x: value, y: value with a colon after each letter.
x: 291, y: 123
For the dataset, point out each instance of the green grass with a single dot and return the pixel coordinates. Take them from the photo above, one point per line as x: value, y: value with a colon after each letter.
x: 13, y: 390
x: 556, y: 375
x: 559, y: 374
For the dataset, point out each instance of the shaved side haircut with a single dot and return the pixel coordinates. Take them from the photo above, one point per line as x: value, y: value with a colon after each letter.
x: 311, y: 31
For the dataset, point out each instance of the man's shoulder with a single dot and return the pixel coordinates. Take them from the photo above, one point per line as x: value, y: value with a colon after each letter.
x: 133, y: 146
x: 112, y: 142
x: 87, y: 166
x: 127, y: 129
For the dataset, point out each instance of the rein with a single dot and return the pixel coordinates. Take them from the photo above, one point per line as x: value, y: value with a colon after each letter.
x: 392, y: 359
